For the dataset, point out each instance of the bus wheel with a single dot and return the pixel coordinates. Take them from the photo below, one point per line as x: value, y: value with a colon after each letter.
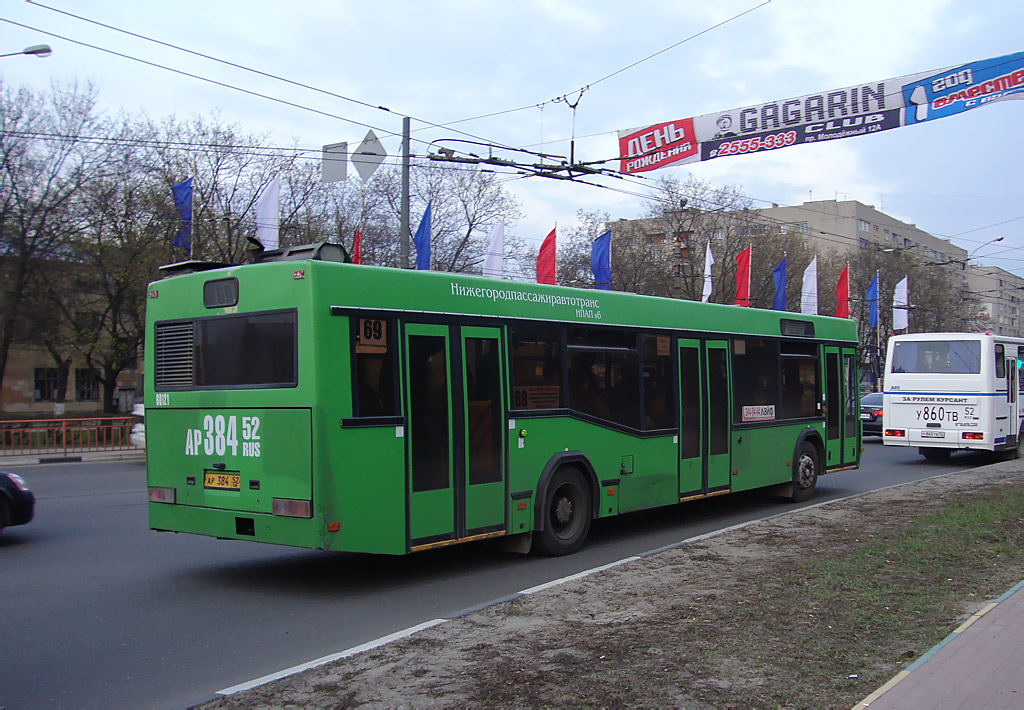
x: 805, y: 473
x: 567, y: 513
x: 935, y: 454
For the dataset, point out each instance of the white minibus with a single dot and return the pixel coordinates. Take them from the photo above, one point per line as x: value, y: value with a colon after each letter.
x: 950, y: 391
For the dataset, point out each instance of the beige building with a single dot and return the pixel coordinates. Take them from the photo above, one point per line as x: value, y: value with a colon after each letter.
x: 997, y: 294
x: 844, y: 226
x: 847, y: 226
x: 31, y: 387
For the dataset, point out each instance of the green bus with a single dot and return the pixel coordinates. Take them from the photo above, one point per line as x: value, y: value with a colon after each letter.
x: 307, y: 402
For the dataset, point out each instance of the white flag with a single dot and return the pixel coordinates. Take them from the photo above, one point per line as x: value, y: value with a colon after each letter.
x: 809, y: 290
x: 267, y: 219
x: 708, y: 261
x: 493, y: 264
x: 899, y: 306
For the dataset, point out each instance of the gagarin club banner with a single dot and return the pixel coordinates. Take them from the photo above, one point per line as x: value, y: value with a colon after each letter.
x: 830, y: 115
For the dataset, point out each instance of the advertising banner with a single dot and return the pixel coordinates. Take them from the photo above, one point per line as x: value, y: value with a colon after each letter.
x: 829, y: 115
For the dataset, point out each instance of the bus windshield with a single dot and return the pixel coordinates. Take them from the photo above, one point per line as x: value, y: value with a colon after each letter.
x: 954, y: 357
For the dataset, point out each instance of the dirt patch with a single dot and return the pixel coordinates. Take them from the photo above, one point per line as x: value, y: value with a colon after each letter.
x: 803, y: 610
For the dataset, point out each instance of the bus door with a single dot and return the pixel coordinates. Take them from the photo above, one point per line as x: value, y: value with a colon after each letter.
x: 456, y: 464
x: 851, y: 407
x: 1012, y: 391
x: 833, y: 408
x: 1020, y: 387
x: 704, y: 417
x: 1005, y: 405
x: 483, y: 471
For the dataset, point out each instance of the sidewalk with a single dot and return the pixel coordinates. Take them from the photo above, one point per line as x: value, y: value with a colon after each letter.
x: 59, y: 457
x: 979, y: 665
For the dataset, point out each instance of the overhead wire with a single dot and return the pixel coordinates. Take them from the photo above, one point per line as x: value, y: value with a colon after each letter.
x: 298, y: 153
x: 564, y: 97
x: 208, y: 80
x: 294, y: 153
x: 252, y: 70
x: 362, y: 103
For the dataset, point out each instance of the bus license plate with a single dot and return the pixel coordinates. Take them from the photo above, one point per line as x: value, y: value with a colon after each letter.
x: 933, y: 435
x: 222, y: 481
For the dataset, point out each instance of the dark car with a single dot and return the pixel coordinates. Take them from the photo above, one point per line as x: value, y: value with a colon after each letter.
x: 16, y: 501
x: 871, y: 414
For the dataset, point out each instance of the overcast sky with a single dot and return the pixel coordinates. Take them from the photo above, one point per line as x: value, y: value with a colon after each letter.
x: 448, y: 60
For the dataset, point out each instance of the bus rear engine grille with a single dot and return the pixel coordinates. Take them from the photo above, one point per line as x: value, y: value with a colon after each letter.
x: 174, y: 355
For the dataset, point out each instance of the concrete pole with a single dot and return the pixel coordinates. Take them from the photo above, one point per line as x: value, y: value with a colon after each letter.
x: 404, y: 248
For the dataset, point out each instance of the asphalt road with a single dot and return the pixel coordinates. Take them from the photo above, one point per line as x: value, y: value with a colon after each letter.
x: 96, y: 611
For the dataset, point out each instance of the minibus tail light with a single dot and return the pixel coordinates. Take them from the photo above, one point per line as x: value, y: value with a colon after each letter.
x: 973, y: 435
x: 895, y: 432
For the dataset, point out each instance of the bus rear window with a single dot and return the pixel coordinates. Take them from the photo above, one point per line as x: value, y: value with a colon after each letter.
x: 255, y: 350
x: 954, y: 357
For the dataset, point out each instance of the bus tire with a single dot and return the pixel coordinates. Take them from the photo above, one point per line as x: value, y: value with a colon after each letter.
x: 933, y: 453
x: 567, y: 511
x: 805, y: 473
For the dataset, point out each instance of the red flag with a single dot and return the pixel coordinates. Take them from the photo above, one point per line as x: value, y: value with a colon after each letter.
x: 843, y: 293
x: 742, y: 279
x: 357, y: 257
x: 546, y: 260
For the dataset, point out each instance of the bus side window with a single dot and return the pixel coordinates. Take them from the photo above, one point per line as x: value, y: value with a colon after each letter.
x: 1000, y: 362
x: 374, y: 364
x: 657, y: 380
x: 801, y: 382
x: 756, y: 366
x: 536, y: 366
x: 1020, y: 371
x: 604, y: 375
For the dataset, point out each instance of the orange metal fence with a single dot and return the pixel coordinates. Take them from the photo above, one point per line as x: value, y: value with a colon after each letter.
x: 51, y: 436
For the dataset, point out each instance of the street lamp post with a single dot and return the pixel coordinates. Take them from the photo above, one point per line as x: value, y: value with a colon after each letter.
x: 990, y: 241
x: 36, y: 50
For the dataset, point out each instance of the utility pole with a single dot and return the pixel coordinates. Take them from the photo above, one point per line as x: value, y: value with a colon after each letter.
x: 404, y: 242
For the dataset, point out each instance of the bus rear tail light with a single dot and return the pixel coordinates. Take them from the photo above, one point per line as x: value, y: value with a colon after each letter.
x: 292, y: 508
x: 158, y: 494
x: 895, y: 432
x: 973, y: 435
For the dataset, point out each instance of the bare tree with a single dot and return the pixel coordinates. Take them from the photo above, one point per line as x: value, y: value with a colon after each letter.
x: 229, y: 168
x: 574, y: 247
x: 114, y: 257
x: 465, y: 204
x: 46, y: 161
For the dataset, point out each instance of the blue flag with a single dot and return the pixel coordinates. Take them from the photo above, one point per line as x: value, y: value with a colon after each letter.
x: 872, y: 298
x: 779, y: 276
x: 422, y: 241
x: 601, y: 262
x: 183, y: 204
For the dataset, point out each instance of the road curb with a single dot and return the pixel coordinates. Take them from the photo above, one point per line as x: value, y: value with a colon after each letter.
x: 404, y: 633
x: 895, y: 680
x: 84, y: 457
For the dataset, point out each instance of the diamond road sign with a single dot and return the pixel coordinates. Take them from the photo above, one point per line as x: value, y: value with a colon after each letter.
x: 368, y: 156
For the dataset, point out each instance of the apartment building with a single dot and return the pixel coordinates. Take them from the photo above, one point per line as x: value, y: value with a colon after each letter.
x: 847, y: 225
x: 997, y: 295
